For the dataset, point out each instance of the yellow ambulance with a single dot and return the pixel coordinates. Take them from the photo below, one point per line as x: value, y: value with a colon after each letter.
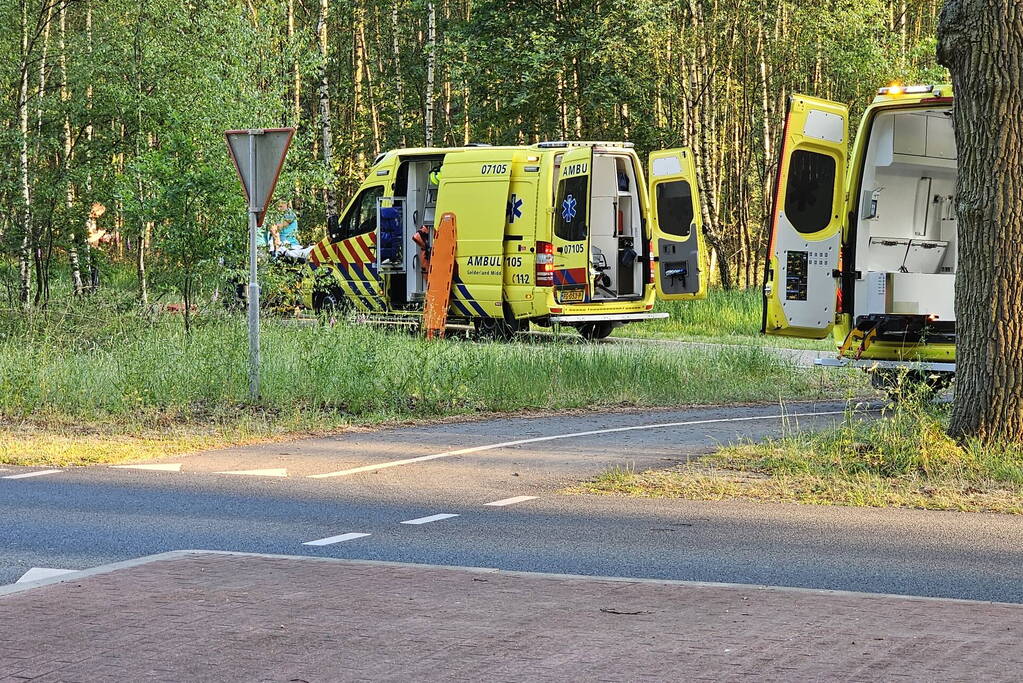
x: 863, y: 244
x: 567, y: 233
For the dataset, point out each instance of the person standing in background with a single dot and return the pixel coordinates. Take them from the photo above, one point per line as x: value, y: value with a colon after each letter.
x: 283, y: 233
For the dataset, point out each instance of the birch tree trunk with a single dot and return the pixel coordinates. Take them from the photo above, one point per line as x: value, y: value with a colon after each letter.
x: 90, y: 222
x: 431, y: 66
x: 399, y: 81
x: 296, y: 69
x: 65, y: 97
x: 323, y: 94
x: 355, y: 122
x: 24, y: 265
x: 981, y: 42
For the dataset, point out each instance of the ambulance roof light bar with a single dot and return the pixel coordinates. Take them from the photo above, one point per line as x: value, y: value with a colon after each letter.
x: 896, y: 89
x: 553, y: 144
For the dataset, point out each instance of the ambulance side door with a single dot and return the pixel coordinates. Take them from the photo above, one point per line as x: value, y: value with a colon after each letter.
x: 677, y: 226
x: 800, y: 288
x: 474, y: 185
x: 572, y: 227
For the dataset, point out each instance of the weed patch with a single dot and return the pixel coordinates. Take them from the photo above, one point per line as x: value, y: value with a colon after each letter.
x: 902, y: 459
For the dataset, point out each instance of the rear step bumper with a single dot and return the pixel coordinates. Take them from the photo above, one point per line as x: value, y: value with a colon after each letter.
x: 885, y: 364
x: 607, y: 317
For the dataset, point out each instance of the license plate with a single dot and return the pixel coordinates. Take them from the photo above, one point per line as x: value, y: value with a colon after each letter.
x: 572, y: 295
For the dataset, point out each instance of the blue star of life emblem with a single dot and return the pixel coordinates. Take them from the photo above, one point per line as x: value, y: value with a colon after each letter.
x: 514, y: 209
x: 568, y: 209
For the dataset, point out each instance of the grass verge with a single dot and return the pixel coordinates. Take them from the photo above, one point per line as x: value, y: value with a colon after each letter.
x: 904, y: 459
x: 87, y: 389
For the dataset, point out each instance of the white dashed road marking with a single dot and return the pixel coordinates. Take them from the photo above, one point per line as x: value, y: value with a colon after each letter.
x: 36, y: 573
x: 25, y: 475
x: 330, y: 540
x: 511, y: 501
x: 431, y: 518
x: 277, y: 472
x: 555, y: 437
x: 157, y: 468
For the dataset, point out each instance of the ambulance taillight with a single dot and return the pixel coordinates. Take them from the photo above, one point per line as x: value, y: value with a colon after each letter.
x: 650, y: 262
x: 544, y: 264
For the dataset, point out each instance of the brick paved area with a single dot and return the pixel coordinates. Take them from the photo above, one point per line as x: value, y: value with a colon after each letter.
x: 204, y: 616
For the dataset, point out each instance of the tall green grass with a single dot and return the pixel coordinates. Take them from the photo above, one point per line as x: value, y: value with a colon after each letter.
x: 728, y: 316
x: 86, y: 367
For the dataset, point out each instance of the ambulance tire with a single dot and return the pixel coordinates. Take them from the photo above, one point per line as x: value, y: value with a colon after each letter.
x: 499, y: 329
x: 495, y: 329
x: 330, y: 302
x: 596, y: 331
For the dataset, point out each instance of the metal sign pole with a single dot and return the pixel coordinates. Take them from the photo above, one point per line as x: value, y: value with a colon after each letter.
x: 253, y: 277
x: 266, y: 149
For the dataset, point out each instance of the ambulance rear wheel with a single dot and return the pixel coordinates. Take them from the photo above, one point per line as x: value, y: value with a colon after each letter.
x: 596, y: 331
x: 501, y: 329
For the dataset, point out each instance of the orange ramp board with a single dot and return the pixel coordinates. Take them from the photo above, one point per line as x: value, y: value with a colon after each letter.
x: 438, y: 286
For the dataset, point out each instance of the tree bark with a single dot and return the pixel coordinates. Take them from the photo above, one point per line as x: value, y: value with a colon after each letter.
x: 981, y: 42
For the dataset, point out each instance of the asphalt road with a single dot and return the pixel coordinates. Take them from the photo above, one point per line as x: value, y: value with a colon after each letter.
x: 307, y: 491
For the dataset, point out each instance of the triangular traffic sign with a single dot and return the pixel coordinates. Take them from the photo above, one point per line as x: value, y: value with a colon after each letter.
x: 270, y: 146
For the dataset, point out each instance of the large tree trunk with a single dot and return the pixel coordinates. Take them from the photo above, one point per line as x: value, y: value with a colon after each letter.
x: 981, y: 42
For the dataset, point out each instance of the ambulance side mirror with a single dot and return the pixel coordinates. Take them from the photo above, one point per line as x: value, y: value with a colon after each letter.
x: 333, y: 229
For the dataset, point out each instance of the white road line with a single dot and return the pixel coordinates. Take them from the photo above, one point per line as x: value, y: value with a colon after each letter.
x: 431, y: 518
x: 511, y: 501
x: 25, y: 475
x: 157, y: 468
x: 555, y: 437
x: 36, y: 573
x: 277, y: 472
x: 330, y: 540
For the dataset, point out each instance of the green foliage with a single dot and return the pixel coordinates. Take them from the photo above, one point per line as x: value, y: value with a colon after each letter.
x: 122, y: 94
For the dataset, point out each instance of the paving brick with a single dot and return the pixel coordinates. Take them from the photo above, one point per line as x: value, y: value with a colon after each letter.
x: 221, y: 617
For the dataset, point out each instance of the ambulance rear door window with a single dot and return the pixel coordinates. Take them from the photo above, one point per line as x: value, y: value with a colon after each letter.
x: 810, y: 191
x: 570, y: 209
x: 675, y: 207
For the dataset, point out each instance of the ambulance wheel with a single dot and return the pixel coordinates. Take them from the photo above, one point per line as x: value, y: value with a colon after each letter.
x: 596, y: 331
x: 501, y: 329
x: 329, y: 302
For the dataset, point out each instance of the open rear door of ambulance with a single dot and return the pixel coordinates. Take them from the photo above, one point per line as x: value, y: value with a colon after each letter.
x: 801, y: 279
x: 679, y: 251
x: 572, y: 227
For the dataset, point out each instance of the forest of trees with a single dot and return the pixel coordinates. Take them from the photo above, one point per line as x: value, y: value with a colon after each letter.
x: 114, y: 110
